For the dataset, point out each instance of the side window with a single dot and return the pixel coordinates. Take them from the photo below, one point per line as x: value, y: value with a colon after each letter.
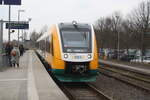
x: 42, y: 45
x: 47, y: 44
x: 52, y: 47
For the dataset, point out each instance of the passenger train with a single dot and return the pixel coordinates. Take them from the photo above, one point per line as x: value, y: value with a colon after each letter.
x: 70, y: 50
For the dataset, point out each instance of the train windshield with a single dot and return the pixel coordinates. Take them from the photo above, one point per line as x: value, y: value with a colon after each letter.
x: 76, y: 41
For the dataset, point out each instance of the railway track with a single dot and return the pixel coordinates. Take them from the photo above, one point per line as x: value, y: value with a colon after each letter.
x: 79, y: 91
x: 128, y: 77
x: 83, y: 91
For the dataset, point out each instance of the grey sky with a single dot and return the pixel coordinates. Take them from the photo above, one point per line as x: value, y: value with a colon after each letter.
x: 48, y: 12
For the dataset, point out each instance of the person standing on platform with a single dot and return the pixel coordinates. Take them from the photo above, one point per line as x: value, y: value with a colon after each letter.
x: 21, y: 48
x: 8, y: 50
x: 15, y: 55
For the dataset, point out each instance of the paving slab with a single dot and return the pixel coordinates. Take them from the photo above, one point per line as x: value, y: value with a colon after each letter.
x: 28, y: 82
x: 13, y: 82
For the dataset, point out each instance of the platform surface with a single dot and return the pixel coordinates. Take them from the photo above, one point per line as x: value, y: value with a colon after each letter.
x: 28, y: 82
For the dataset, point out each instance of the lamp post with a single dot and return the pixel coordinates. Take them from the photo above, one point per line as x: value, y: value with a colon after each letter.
x: 118, y: 37
x: 118, y: 46
x: 1, y: 36
x: 12, y: 31
x: 9, y: 19
x: 24, y: 32
x: 18, y: 21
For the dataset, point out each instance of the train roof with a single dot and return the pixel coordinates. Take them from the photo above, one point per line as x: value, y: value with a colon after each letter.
x: 67, y: 26
x: 72, y: 25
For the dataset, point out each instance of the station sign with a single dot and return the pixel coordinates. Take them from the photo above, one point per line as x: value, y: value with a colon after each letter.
x: 16, y: 25
x: 0, y: 1
x: 11, y: 2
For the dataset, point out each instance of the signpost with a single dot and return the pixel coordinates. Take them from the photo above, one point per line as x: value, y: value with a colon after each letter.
x: 1, y: 36
x: 10, y: 2
x: 16, y: 25
x: 6, y: 2
x: 1, y: 41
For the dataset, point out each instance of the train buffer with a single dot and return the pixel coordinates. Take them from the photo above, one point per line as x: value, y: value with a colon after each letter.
x: 28, y: 82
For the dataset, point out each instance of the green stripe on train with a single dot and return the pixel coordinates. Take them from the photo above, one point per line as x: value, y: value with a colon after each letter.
x: 61, y: 71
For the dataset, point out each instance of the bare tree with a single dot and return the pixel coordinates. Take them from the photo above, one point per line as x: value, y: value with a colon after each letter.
x: 140, y: 17
x: 33, y: 37
x: 116, y: 28
x: 43, y: 30
x: 107, y: 30
x: 127, y: 36
x: 99, y: 30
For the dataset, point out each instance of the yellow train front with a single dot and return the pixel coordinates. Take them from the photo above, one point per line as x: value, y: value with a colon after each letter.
x: 70, y: 50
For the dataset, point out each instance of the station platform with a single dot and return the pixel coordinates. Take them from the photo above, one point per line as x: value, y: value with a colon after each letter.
x: 135, y: 68
x: 28, y: 82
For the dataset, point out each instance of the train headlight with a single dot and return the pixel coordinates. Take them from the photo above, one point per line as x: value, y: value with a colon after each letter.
x: 65, y: 55
x: 89, y: 56
x: 74, y: 22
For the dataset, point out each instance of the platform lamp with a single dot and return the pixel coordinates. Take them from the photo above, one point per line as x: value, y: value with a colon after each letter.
x: 19, y: 20
x: 12, y: 31
x: 24, y: 32
x: 29, y: 19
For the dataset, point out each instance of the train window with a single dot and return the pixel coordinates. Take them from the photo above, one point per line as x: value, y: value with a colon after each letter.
x: 42, y: 45
x: 52, y: 47
x: 47, y: 44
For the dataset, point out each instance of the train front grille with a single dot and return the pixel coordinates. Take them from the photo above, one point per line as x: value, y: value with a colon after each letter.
x: 76, y: 67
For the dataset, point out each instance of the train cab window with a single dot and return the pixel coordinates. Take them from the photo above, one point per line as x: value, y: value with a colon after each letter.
x: 76, y: 40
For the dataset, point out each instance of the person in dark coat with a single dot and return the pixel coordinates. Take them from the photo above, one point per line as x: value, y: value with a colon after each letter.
x: 21, y: 49
x: 8, y: 50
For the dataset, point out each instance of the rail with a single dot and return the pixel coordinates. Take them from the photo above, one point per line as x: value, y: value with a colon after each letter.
x: 127, y: 74
x: 83, y: 91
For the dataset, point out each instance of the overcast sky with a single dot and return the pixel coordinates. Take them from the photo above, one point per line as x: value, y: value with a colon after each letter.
x: 48, y: 12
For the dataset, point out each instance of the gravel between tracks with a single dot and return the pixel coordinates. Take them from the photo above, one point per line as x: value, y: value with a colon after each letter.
x: 119, y: 90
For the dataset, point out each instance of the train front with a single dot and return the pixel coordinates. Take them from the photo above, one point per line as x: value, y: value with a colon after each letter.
x: 79, y: 52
